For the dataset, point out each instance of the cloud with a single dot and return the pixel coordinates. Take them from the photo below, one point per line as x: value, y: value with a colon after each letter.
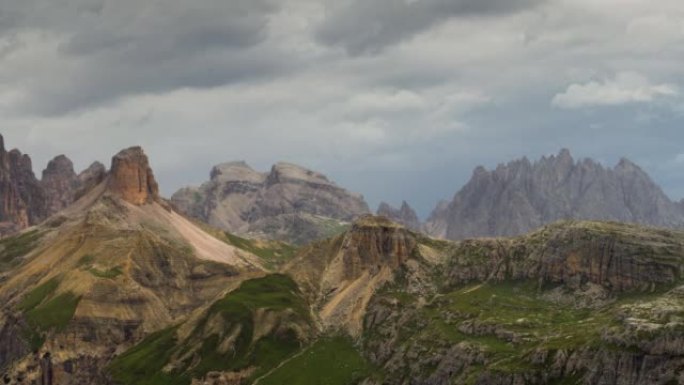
x: 394, y: 99
x: 362, y: 26
x: 626, y: 88
x: 85, y: 53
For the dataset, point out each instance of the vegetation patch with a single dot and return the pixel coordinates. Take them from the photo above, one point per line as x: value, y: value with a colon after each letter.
x: 36, y: 296
x: 107, y: 274
x: 55, y: 313
x: 144, y: 363
x: 509, y: 323
x: 329, y: 361
x: 273, y: 253
x: 13, y: 248
x: 43, y: 316
x: 86, y: 260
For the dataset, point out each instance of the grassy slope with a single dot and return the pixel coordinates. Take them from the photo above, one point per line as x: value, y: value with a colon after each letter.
x: 143, y: 365
x: 12, y: 248
x: 46, y: 312
x: 330, y: 361
x: 273, y: 253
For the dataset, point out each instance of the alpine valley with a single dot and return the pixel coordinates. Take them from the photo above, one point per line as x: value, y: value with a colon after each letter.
x: 285, y: 278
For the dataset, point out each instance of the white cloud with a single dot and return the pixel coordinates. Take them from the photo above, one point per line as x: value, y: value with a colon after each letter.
x: 627, y: 87
x: 679, y: 159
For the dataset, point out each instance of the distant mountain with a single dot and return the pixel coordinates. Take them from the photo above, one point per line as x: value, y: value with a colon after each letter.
x: 27, y: 201
x: 288, y: 203
x: 404, y: 215
x: 521, y: 196
x: 23, y: 199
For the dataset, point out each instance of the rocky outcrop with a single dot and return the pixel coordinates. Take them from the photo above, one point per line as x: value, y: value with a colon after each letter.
x: 22, y: 199
x: 404, y: 215
x: 59, y: 183
x: 288, y: 203
x: 89, y: 178
x: 131, y: 177
x: 340, y: 275
x: 617, y: 257
x: 521, y: 196
x: 374, y: 243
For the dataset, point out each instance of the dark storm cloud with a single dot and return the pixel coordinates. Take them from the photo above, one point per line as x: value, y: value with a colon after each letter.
x: 362, y: 26
x: 112, y: 49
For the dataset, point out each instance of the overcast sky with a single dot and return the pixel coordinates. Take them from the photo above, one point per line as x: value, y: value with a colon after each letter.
x: 395, y: 99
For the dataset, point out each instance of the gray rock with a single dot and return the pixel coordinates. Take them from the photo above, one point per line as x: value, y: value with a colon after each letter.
x: 288, y: 203
x: 404, y: 215
x: 518, y: 197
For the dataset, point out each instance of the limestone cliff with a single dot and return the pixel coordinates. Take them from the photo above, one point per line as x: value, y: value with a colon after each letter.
x: 59, y: 183
x: 23, y: 201
x: 342, y: 274
x: 131, y: 177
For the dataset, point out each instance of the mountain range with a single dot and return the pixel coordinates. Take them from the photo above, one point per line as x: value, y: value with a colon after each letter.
x: 521, y: 196
x: 123, y: 287
x: 296, y: 205
x: 288, y: 203
x: 27, y: 201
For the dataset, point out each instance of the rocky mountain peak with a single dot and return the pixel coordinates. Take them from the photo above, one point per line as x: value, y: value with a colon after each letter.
x: 375, y: 242
x: 288, y: 172
x: 96, y: 170
x: 520, y: 196
x: 59, y: 183
x: 626, y: 165
x: 21, y: 163
x: 131, y: 177
x: 59, y: 165
x: 288, y: 202
x: 404, y: 215
x: 238, y: 171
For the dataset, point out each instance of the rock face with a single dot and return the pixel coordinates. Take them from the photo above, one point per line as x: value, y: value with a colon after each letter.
x: 340, y: 275
x: 522, y: 196
x: 131, y: 177
x: 374, y: 243
x: 23, y: 201
x: 27, y: 201
x: 618, y: 257
x: 288, y: 203
x: 95, y: 174
x: 60, y: 183
x: 404, y: 215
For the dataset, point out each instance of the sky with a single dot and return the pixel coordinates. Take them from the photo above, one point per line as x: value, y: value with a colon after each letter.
x: 395, y: 99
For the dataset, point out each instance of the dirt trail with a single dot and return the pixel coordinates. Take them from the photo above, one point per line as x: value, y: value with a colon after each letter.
x: 256, y: 382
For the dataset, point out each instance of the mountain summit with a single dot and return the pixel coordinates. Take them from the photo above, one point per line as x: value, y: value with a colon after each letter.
x: 288, y: 203
x: 132, y: 178
x: 521, y: 196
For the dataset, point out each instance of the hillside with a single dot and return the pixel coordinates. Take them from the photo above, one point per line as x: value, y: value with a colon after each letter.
x: 103, y: 274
